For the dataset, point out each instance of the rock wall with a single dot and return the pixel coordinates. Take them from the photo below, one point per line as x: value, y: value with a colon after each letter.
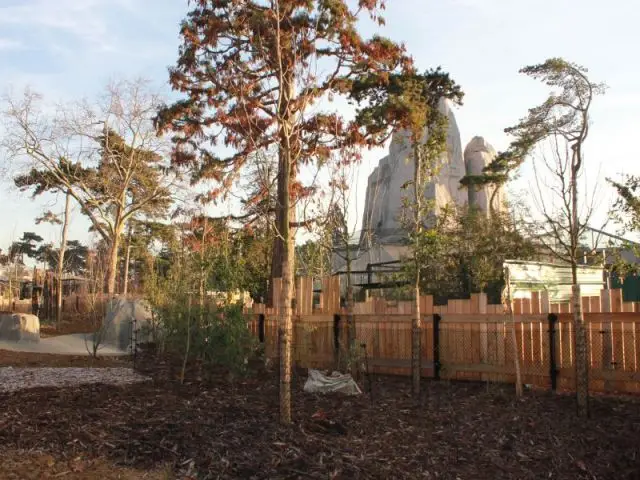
x: 383, y: 204
x: 477, y: 155
x: 19, y: 327
x: 123, y: 316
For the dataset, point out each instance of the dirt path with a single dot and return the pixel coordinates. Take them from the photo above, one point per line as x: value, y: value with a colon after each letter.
x: 72, y: 344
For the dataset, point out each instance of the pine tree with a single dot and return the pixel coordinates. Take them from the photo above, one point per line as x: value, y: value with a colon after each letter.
x: 409, y: 103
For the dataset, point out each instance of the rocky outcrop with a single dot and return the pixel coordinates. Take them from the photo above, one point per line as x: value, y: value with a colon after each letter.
x: 477, y: 155
x: 19, y: 327
x: 384, y: 197
x: 127, y: 320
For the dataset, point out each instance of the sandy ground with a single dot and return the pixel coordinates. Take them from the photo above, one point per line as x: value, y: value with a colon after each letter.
x: 73, y: 344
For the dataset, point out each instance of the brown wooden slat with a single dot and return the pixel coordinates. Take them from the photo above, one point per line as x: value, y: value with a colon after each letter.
x: 616, y: 300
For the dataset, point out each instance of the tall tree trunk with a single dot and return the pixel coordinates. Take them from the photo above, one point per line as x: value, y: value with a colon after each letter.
x: 286, y: 266
x: 10, y: 292
x: 187, y: 348
x: 285, y: 171
x: 63, y: 248
x: 125, y: 281
x: 351, y: 325
x: 514, y: 340
x: 582, y: 365
x: 416, y: 330
x: 112, y: 268
x: 203, y: 246
x: 278, y: 250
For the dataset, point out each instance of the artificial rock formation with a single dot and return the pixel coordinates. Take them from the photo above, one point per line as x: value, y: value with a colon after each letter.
x: 127, y: 321
x: 383, y: 237
x: 383, y: 204
x: 19, y: 327
x: 477, y: 155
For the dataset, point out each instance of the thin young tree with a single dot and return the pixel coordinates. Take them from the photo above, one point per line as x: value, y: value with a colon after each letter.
x: 333, y: 247
x: 104, y: 154
x: 342, y: 238
x: 257, y: 75
x: 410, y: 104
x: 564, y: 119
x: 54, y: 219
x: 259, y: 205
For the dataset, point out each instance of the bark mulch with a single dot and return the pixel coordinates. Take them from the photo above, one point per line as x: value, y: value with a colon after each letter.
x: 223, y: 429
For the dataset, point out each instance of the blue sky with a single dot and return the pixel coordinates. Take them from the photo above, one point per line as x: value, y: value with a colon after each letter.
x: 71, y: 48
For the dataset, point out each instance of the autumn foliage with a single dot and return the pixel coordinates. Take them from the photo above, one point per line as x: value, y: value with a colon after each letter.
x: 261, y: 74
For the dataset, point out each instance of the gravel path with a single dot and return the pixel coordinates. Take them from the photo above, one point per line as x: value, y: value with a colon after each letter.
x: 14, y: 379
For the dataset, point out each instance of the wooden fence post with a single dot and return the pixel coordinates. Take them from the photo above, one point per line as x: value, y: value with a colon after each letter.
x: 553, y: 369
x: 479, y: 305
x: 545, y: 305
x: 605, y: 331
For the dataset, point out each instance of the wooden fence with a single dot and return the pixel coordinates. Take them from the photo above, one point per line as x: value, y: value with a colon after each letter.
x: 466, y: 339
x: 17, y: 306
x: 328, y: 301
x: 474, y: 346
x: 71, y: 304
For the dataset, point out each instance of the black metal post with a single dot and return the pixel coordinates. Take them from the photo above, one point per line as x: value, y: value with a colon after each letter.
x: 436, y: 346
x: 336, y: 332
x: 261, y: 328
x: 553, y: 370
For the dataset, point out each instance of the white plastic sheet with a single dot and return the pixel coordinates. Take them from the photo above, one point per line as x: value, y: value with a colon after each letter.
x: 318, y: 382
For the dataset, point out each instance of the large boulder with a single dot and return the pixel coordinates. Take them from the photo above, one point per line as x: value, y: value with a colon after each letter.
x: 126, y: 321
x: 19, y: 327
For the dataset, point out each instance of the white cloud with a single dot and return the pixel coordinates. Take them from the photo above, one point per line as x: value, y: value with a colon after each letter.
x: 81, y: 19
x: 10, y: 44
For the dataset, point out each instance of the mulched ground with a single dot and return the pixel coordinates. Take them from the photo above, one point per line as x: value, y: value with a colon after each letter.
x: 218, y: 429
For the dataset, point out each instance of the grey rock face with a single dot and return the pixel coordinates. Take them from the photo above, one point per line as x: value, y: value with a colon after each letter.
x: 384, y: 197
x: 477, y: 155
x: 126, y: 320
x: 19, y: 327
